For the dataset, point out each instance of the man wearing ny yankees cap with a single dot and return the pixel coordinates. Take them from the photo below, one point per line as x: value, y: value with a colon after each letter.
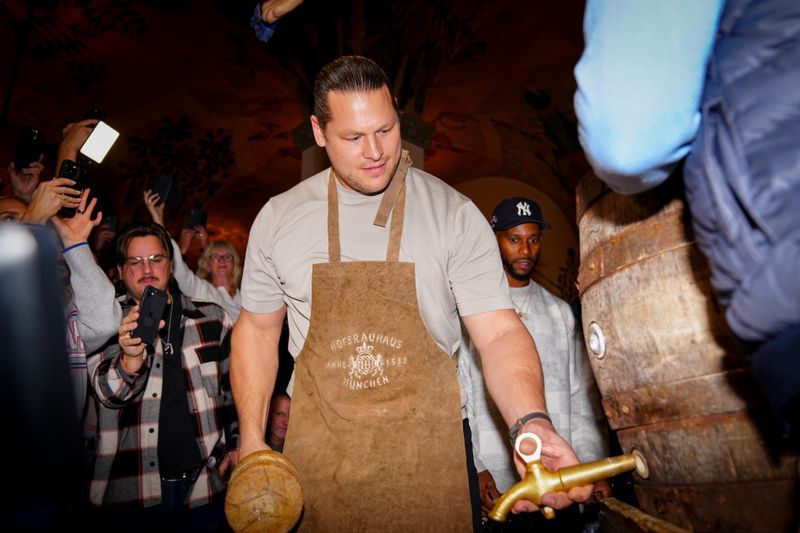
x: 573, y: 401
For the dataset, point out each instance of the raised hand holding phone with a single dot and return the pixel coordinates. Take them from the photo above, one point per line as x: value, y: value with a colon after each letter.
x: 50, y: 197
x: 29, y: 149
x: 133, y: 346
x: 150, y: 310
x: 154, y: 206
x: 77, y: 173
x: 78, y: 228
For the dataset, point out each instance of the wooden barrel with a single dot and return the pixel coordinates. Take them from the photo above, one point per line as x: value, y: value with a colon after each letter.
x: 673, y: 383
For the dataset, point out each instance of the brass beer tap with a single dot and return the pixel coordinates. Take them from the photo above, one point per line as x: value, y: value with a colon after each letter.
x: 540, y: 480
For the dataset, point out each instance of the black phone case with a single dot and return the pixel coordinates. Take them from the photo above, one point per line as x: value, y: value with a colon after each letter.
x: 169, y: 192
x: 151, y: 309
x: 74, y: 171
x: 28, y: 149
x: 197, y: 217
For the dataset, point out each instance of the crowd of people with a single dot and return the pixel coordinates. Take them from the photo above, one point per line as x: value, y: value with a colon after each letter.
x: 412, y: 321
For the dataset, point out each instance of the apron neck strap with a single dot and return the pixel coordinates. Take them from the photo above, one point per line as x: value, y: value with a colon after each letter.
x: 390, y: 195
x: 334, y: 249
x: 396, y: 231
x: 394, y: 199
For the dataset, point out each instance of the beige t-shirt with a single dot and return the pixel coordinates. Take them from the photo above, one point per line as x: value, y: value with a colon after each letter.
x: 453, y: 248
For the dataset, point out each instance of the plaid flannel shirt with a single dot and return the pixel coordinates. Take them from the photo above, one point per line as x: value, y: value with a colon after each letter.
x: 126, y: 468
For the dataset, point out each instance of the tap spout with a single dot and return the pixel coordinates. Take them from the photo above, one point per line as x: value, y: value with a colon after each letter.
x: 538, y: 480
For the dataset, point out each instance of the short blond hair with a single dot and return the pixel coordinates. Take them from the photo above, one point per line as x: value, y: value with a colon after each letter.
x: 202, y: 264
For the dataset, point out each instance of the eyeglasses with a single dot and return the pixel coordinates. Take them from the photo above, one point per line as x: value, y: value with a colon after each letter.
x: 155, y: 260
x: 219, y: 258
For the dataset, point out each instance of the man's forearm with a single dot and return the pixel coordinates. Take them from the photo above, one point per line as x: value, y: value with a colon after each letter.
x: 511, y: 367
x: 513, y: 375
x: 254, y: 367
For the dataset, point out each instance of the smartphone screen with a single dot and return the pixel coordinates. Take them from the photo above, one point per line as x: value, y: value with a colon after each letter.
x: 99, y: 142
x: 151, y: 308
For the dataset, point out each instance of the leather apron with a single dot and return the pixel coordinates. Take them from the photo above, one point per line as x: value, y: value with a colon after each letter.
x: 375, y: 429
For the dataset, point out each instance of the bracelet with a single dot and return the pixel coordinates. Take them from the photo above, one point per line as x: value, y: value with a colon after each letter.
x: 68, y: 248
x: 515, y: 429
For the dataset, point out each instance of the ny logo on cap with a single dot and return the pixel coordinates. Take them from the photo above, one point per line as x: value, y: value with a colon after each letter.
x: 523, y: 208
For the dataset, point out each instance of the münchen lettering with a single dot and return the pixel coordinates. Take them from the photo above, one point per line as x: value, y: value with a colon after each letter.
x: 354, y: 384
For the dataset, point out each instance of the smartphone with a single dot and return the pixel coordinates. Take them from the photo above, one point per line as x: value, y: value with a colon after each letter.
x: 76, y: 172
x: 168, y: 191
x: 151, y: 308
x: 197, y: 217
x: 99, y: 142
x: 29, y: 148
x: 95, y: 113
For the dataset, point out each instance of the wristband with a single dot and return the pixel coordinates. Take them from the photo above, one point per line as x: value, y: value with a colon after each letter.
x: 515, y: 429
x: 68, y: 248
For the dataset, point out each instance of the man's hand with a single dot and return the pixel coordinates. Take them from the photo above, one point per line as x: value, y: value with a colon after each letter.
x: 186, y: 240
x: 77, y: 229
x: 202, y: 236
x: 133, y: 348
x: 488, y: 492
x: 188, y: 234
x: 48, y: 198
x: 272, y: 10
x: 74, y: 135
x: 556, y: 453
x: 156, y: 209
x: 25, y: 180
x: 230, y: 460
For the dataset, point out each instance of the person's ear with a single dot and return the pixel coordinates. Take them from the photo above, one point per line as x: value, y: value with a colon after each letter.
x: 319, y: 133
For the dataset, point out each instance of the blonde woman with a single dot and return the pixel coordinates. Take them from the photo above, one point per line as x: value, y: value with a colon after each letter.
x: 219, y: 271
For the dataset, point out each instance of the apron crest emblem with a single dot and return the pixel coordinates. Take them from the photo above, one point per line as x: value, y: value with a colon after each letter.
x: 364, y: 363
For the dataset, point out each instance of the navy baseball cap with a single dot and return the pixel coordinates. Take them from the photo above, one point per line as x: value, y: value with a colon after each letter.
x: 515, y: 211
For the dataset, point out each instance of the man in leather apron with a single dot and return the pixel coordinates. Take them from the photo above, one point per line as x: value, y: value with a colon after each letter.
x: 390, y: 256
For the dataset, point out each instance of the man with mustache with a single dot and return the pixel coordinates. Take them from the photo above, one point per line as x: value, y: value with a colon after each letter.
x: 573, y: 401
x: 166, y: 421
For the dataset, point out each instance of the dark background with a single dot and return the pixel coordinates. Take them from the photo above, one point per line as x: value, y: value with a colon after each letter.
x: 195, y: 95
